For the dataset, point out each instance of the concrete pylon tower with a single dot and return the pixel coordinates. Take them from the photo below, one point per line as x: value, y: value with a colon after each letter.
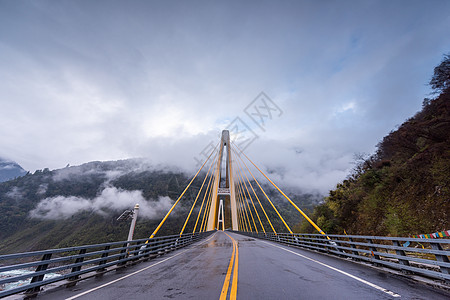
x: 223, y: 187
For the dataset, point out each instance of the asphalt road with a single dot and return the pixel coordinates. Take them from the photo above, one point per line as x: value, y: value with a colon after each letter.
x: 264, y: 270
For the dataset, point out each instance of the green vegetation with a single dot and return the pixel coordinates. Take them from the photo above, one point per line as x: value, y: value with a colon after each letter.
x: 21, y: 231
x: 404, y: 188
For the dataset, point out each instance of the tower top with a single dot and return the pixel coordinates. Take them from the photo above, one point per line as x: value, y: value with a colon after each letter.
x: 225, y: 137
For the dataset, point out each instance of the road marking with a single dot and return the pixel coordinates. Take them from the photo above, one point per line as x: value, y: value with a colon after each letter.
x: 134, y: 273
x: 233, y: 292
x: 223, y: 294
x: 340, y: 271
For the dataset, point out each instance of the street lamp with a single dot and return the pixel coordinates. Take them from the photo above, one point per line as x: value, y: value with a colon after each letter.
x: 126, y: 215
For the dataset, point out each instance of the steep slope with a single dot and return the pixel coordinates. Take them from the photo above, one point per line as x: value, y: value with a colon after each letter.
x: 404, y: 188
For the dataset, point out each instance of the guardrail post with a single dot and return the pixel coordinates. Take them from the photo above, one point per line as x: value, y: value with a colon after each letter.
x: 336, y: 243
x: 296, y: 240
x: 136, y: 250
x: 291, y: 239
x: 300, y: 240
x: 43, y: 267
x: 355, y: 252
x: 102, y: 262
x: 124, y: 252
x: 326, y: 244
x: 373, y: 249
x: 143, y: 250
x: 401, y: 253
x: 441, y: 258
x: 77, y: 268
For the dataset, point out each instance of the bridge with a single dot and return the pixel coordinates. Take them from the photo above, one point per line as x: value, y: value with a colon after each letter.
x: 234, y: 252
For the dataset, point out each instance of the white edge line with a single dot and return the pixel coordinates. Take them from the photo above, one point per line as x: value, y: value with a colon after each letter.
x: 131, y: 274
x: 340, y: 271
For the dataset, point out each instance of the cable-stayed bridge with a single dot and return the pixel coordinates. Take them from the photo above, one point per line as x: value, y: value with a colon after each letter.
x: 234, y: 251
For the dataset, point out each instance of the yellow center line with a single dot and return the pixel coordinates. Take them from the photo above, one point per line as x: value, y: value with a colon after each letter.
x: 223, y: 294
x: 233, y: 293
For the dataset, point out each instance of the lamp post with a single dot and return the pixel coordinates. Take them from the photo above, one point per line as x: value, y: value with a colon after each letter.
x: 126, y: 215
x: 133, y: 222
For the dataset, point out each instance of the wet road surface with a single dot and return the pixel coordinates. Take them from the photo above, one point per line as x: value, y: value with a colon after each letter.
x: 264, y: 270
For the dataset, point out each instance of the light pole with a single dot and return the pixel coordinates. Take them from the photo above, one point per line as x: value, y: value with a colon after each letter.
x: 133, y: 222
x: 126, y: 215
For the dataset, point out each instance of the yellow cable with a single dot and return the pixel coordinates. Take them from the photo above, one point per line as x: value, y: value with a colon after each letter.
x: 239, y: 217
x: 196, y: 198
x: 290, y: 201
x: 246, y: 202
x: 273, y: 206
x: 206, y: 212
x: 182, y: 194
x: 238, y: 199
x: 251, y: 200
x: 254, y: 192
x: 245, y: 209
x: 247, y: 227
x: 204, y: 197
x: 209, y: 202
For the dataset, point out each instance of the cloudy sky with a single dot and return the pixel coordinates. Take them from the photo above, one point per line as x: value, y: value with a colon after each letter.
x: 106, y: 80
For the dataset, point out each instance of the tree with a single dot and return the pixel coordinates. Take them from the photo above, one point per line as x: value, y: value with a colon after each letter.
x: 441, y: 77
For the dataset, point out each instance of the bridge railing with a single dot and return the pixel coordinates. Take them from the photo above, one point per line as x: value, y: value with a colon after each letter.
x: 32, y: 270
x: 427, y: 257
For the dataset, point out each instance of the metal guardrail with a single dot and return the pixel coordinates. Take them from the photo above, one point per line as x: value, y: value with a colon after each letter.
x: 69, y: 263
x: 427, y: 257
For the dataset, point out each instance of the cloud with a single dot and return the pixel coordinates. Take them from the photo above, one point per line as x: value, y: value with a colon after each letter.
x: 94, y: 80
x: 111, y: 198
x: 8, y: 167
x: 15, y: 193
x: 42, y: 189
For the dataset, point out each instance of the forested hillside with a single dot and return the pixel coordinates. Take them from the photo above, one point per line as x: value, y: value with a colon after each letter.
x: 404, y: 188
x: 79, y: 205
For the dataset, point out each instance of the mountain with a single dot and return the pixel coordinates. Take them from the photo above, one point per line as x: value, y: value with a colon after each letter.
x: 404, y: 188
x: 10, y: 170
x: 80, y: 204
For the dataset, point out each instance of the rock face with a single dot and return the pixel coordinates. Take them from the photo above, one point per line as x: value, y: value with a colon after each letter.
x: 10, y: 170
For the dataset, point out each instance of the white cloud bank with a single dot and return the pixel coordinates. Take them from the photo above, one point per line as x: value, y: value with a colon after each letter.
x: 111, y: 198
x: 107, y: 80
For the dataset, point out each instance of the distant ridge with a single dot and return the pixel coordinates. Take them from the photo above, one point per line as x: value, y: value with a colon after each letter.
x: 10, y: 170
x: 79, y: 205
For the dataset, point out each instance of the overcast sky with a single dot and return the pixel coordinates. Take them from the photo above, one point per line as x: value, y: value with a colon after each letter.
x: 107, y: 80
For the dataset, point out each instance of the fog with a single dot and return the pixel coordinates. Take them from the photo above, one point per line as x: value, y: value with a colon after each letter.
x: 111, y: 198
x: 98, y: 80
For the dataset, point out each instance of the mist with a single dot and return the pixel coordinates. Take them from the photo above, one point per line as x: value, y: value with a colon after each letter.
x: 111, y: 198
x: 99, y: 80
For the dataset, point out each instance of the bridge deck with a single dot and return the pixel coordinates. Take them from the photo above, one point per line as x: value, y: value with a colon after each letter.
x: 266, y: 270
